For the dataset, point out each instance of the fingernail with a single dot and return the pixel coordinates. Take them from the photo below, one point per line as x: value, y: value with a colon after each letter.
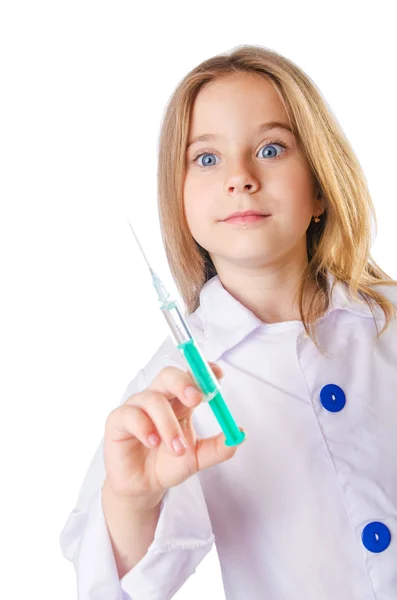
x: 153, y: 439
x: 191, y: 392
x: 178, y: 444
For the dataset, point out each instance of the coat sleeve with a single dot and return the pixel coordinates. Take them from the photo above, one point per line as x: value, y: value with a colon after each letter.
x: 182, y: 538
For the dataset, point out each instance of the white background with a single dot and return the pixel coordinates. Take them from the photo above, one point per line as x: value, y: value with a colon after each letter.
x: 83, y: 90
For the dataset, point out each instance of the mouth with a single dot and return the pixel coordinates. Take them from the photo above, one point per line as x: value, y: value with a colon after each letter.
x: 241, y: 219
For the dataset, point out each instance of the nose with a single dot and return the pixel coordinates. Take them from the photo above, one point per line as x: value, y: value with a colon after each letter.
x: 241, y: 185
x: 242, y: 180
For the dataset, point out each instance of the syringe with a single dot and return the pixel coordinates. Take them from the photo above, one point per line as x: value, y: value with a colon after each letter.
x: 200, y: 369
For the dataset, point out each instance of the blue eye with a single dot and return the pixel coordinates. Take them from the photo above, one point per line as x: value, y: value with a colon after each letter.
x: 272, y: 146
x: 268, y: 145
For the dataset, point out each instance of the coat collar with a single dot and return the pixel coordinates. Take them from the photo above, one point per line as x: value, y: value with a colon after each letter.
x: 224, y: 322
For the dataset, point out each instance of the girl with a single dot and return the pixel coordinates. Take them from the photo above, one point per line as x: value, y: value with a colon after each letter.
x: 286, y: 299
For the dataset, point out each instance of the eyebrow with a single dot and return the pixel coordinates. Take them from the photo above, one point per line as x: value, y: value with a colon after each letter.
x: 261, y: 129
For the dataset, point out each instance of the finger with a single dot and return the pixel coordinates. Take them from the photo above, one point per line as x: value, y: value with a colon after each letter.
x: 173, y: 382
x: 161, y: 413
x: 212, y: 451
x: 183, y: 416
x: 128, y: 421
x: 217, y: 369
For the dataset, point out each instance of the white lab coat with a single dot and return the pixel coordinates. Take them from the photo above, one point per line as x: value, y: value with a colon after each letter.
x: 307, y: 507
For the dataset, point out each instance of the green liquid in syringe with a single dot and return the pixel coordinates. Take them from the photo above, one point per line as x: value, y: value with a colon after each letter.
x: 219, y: 407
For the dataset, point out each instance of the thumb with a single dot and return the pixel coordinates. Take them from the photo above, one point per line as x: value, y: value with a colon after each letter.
x: 212, y: 451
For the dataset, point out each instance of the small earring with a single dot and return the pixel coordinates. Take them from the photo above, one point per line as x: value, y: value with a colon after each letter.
x: 316, y: 219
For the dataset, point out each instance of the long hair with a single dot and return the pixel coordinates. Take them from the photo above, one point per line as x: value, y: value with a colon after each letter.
x: 340, y: 243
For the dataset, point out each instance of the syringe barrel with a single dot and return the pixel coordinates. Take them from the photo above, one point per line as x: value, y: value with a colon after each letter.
x: 202, y: 373
x: 206, y: 380
x: 184, y: 340
x: 179, y: 328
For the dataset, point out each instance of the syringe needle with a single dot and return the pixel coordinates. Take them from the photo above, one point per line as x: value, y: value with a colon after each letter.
x: 161, y: 290
x: 144, y: 255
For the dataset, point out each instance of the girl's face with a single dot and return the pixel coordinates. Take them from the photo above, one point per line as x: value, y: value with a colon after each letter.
x: 243, y: 168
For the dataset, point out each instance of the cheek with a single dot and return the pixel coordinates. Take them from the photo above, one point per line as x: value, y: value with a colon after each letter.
x: 296, y: 202
x: 194, y: 214
x: 197, y: 218
x: 201, y: 222
x: 296, y: 219
x: 198, y: 207
x: 191, y: 218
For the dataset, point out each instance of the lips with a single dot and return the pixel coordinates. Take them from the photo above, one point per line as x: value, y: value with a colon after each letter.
x: 245, y: 219
x: 244, y: 214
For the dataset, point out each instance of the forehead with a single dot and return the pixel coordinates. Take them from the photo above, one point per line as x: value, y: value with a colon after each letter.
x: 235, y: 102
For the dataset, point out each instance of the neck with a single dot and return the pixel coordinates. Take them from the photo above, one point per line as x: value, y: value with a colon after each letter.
x: 271, y: 295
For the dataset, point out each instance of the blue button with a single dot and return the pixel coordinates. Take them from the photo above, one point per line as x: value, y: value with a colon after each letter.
x: 376, y: 536
x: 332, y: 397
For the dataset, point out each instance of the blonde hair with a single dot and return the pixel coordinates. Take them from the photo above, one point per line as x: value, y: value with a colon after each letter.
x: 339, y: 244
